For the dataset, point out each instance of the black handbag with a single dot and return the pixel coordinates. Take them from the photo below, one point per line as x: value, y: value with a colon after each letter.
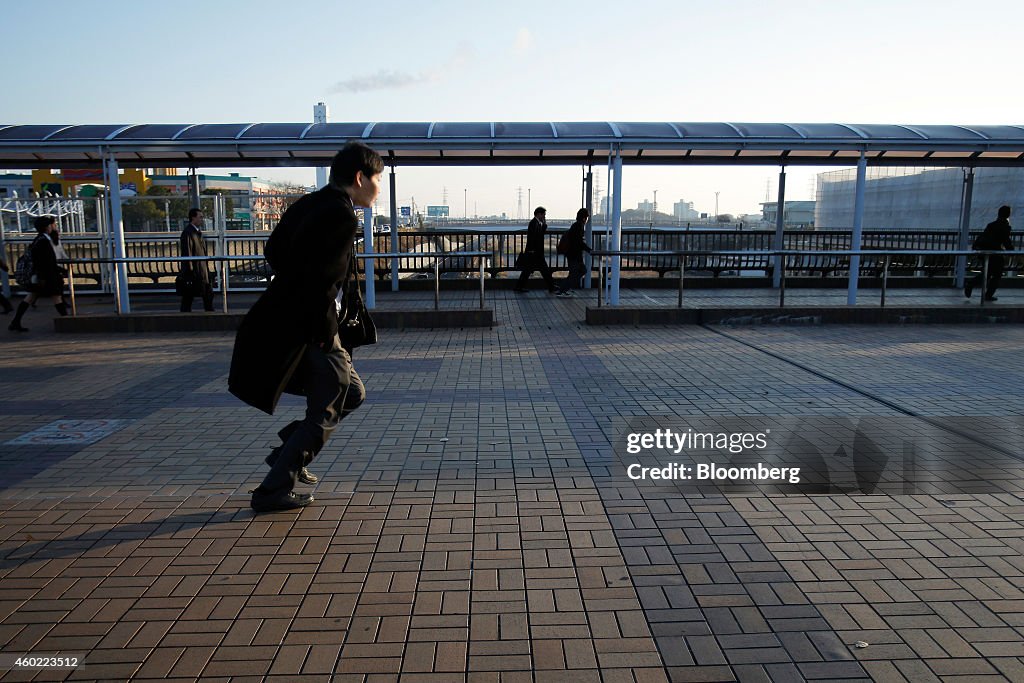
x: 185, y: 284
x: 355, y: 326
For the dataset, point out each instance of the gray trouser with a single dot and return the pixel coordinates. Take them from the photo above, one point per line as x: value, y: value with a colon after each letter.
x: 333, y: 390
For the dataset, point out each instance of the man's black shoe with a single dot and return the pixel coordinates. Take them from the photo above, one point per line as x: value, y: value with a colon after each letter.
x: 17, y: 328
x: 281, y: 501
x: 991, y: 298
x: 305, y: 476
x: 968, y: 290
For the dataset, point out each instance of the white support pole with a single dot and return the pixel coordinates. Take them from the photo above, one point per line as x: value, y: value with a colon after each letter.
x: 395, y: 263
x: 371, y: 298
x: 858, y: 229
x: 613, y: 297
x: 780, y: 227
x: 965, y: 229
x: 589, y: 232
x: 117, y: 227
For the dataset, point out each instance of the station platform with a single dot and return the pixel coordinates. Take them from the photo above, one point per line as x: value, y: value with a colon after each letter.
x: 476, y: 519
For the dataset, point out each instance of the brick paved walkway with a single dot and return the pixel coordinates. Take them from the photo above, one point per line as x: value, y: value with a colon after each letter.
x: 474, y: 523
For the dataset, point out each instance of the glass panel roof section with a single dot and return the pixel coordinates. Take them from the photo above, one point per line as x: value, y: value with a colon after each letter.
x: 28, y: 133
x: 947, y: 132
x: 648, y: 130
x: 584, y: 129
x: 400, y: 130
x: 882, y: 131
x: 151, y: 131
x: 522, y: 130
x: 97, y: 132
x: 766, y: 130
x: 336, y: 130
x: 461, y: 130
x: 706, y: 130
x: 1001, y: 132
x: 275, y: 130
x: 826, y: 130
x: 213, y: 131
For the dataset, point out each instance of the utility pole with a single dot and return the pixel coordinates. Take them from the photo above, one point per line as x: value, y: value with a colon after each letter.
x: 716, y: 207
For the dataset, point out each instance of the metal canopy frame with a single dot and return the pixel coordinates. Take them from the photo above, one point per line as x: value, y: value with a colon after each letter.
x: 511, y: 144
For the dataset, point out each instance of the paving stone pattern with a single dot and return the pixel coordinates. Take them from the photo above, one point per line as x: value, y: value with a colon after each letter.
x: 473, y: 522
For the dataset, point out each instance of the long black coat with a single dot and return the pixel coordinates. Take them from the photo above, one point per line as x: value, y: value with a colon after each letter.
x: 191, y: 243
x: 575, y: 241
x: 996, y: 236
x: 310, y: 252
x: 535, y: 236
x: 47, y: 275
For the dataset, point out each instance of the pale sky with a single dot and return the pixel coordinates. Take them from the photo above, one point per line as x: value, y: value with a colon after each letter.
x: 892, y: 61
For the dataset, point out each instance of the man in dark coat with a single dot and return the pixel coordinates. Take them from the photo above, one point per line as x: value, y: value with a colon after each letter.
x: 575, y: 245
x: 47, y: 279
x: 996, y: 237
x: 532, y: 257
x: 288, y: 341
x: 196, y: 272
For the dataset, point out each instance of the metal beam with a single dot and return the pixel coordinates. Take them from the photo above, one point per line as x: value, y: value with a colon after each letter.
x: 394, y: 232
x: 117, y: 227
x: 965, y: 228
x: 613, y: 297
x: 780, y: 226
x: 858, y: 230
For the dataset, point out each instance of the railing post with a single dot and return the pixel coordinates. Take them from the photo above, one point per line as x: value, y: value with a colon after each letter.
x: 682, y: 270
x: 600, y: 280
x: 885, y: 277
x: 782, y: 281
x: 71, y: 287
x: 481, y: 283
x: 224, y: 284
x: 437, y: 283
x: 984, y: 279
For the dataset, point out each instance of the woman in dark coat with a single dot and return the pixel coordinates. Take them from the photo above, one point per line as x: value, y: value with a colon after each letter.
x: 47, y: 279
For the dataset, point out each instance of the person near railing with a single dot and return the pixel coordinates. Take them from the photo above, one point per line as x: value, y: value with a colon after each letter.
x: 289, y: 341
x: 47, y: 277
x: 995, y: 237
x: 194, y: 276
x: 532, y: 257
x: 574, y: 246
x: 4, y: 303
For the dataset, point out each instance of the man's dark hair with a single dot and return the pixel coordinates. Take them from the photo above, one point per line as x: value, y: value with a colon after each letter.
x: 42, y: 222
x: 1004, y: 212
x: 582, y: 214
x: 354, y: 157
x: 192, y: 213
x: 539, y: 209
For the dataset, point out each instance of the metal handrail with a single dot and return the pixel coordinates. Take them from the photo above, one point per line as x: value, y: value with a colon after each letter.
x: 224, y: 260
x: 784, y: 253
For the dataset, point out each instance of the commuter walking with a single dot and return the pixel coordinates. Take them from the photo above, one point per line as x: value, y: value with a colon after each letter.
x: 995, y: 237
x: 289, y: 341
x: 45, y: 277
x: 194, y: 276
x: 572, y: 245
x: 532, y: 257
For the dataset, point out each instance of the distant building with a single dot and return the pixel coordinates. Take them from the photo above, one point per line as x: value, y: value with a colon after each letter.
x: 645, y: 206
x: 684, y: 211
x: 795, y: 215
x: 916, y: 198
x: 15, y: 183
